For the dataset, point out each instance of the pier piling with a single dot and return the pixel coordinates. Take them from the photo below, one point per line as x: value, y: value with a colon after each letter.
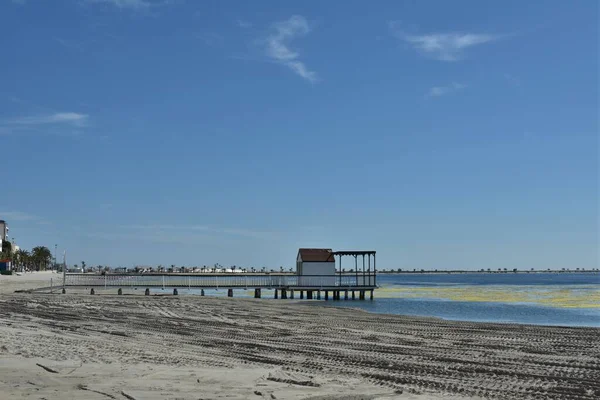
x: 326, y: 295
x: 371, y: 295
x: 201, y: 292
x: 302, y: 295
x: 291, y: 294
x: 353, y: 295
x: 283, y: 294
x: 175, y: 293
x: 257, y: 293
x: 229, y: 292
x: 309, y: 295
x: 361, y: 295
x: 120, y: 291
x: 92, y: 291
x: 318, y: 295
x: 275, y: 296
x: 147, y: 292
x: 345, y: 294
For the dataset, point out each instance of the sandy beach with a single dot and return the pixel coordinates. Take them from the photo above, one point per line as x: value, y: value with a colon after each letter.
x: 77, y: 346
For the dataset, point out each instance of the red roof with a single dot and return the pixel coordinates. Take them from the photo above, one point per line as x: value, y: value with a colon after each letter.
x: 316, y: 255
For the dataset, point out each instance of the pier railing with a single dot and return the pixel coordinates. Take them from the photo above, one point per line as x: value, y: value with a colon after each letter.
x: 265, y: 281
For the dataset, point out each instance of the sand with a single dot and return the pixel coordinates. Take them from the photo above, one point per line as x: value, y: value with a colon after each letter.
x: 28, y: 280
x: 77, y: 346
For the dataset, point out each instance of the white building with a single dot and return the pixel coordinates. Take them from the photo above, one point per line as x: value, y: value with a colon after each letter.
x: 315, y: 267
x: 3, y: 232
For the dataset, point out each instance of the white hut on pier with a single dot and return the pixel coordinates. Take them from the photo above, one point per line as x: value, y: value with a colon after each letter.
x: 315, y: 267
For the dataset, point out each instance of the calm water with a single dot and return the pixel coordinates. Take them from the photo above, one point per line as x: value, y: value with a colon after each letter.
x: 545, y: 299
x: 571, y: 299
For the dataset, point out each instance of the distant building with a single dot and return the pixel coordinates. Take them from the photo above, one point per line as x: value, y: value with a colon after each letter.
x: 313, y: 262
x: 5, y: 265
x: 3, y: 232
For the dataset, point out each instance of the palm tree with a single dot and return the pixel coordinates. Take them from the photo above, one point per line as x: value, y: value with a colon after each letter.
x: 83, y: 266
x: 42, y: 256
x: 21, y: 259
x: 6, y: 251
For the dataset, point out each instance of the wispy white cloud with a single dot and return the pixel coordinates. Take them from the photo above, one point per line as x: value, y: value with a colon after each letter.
x: 443, y: 46
x: 133, y: 4
x: 243, y: 24
x: 68, y: 44
x: 71, y: 118
x: 17, y: 216
x: 211, y: 39
x: 182, y: 229
x: 62, y: 123
x: 277, y: 46
x: 157, y: 227
x: 20, y: 216
x: 438, y: 91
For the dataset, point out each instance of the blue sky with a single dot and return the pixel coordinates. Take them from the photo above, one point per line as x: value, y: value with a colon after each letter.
x: 441, y: 134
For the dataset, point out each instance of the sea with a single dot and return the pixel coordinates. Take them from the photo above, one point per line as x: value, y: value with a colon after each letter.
x: 564, y: 299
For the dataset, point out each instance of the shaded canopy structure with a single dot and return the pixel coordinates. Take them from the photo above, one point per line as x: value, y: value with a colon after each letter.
x: 369, y: 276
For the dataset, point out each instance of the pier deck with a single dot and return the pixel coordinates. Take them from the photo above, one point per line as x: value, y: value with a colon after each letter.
x: 344, y: 281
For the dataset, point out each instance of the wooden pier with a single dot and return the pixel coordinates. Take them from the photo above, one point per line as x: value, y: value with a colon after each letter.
x: 284, y: 286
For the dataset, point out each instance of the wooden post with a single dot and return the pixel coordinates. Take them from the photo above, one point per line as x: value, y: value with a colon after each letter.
x: 353, y: 295
x: 318, y: 295
x: 257, y: 293
x: 309, y: 294
x: 346, y: 294
x: 120, y: 291
x: 291, y: 294
x: 201, y: 292
x: 361, y: 295
x: 283, y: 294
x: 175, y: 293
x: 302, y: 295
x: 275, y: 294
x: 64, y: 291
x: 92, y: 291
x: 147, y: 292
x: 371, y: 295
x: 326, y: 295
x: 229, y: 292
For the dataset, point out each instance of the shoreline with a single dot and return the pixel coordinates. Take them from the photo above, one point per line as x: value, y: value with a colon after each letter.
x: 460, y: 272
